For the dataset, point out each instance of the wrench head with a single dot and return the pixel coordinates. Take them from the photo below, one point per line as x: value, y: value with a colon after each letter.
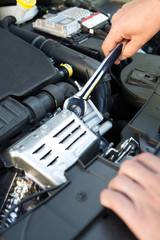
x: 76, y: 105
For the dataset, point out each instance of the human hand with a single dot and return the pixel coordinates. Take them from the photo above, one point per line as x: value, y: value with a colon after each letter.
x: 134, y: 24
x: 134, y: 195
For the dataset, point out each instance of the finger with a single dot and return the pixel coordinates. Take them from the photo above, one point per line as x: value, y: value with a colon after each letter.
x: 124, y: 42
x: 119, y: 203
x: 138, y: 172
x: 111, y: 41
x: 149, y: 160
x: 127, y: 186
x: 131, y: 47
x: 117, y: 61
x: 115, y: 16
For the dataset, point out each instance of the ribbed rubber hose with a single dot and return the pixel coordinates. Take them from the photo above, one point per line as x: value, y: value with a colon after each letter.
x: 82, y: 64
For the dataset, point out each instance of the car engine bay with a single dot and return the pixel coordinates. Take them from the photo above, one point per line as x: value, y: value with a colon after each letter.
x: 54, y: 164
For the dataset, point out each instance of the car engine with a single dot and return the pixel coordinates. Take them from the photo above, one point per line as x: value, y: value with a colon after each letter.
x: 54, y: 163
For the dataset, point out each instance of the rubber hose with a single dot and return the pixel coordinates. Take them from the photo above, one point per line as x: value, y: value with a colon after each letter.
x: 83, y: 66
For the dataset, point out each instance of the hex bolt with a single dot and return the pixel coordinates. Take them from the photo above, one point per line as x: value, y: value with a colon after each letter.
x: 81, y: 196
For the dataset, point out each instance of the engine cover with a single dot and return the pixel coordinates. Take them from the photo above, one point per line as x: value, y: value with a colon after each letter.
x: 47, y: 152
x: 24, y: 69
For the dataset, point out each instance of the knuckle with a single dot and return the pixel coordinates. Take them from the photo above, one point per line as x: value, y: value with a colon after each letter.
x: 113, y: 182
x: 114, y: 17
x: 116, y: 181
x: 144, y: 155
x: 125, y: 164
x: 127, y: 54
x: 122, y: 58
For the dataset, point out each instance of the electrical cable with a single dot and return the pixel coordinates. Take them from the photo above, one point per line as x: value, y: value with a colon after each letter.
x: 27, y: 199
x: 86, y: 5
x: 100, y: 32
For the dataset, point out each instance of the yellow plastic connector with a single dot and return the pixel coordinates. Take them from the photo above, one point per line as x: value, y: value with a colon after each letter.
x: 68, y: 68
x: 28, y: 4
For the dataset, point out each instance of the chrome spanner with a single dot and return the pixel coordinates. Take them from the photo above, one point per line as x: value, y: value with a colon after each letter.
x: 78, y: 102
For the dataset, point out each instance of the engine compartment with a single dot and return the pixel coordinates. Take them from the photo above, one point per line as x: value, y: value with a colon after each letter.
x: 53, y: 164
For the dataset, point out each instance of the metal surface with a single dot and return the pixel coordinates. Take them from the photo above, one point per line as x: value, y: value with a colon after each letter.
x: 77, y: 103
x: 93, y: 119
x: 126, y: 148
x: 22, y: 188
x: 46, y: 153
x: 62, y: 24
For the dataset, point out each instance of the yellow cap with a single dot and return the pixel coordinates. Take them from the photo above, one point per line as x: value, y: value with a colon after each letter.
x: 27, y: 3
x: 68, y: 67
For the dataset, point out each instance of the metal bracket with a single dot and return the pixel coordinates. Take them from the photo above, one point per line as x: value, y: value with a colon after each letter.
x: 127, y: 147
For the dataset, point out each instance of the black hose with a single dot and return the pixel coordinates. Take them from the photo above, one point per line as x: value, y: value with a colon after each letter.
x: 50, y: 98
x: 8, y: 23
x: 62, y: 54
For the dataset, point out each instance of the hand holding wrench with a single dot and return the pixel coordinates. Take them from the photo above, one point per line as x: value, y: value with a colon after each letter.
x: 77, y: 103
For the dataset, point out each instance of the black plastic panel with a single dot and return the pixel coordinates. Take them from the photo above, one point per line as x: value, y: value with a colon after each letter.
x: 23, y: 69
x: 145, y: 126
x: 13, y: 116
x: 74, y: 209
x: 147, y: 122
x: 140, y: 78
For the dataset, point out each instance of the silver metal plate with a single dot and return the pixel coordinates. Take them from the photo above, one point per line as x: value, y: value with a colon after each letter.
x: 63, y: 24
x: 47, y: 152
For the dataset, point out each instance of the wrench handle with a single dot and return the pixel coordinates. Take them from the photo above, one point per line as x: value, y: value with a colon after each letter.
x: 101, y: 70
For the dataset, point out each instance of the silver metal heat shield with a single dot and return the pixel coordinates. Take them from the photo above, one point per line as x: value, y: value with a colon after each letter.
x: 47, y: 152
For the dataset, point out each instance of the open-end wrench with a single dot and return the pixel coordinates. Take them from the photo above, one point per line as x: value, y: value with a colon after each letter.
x: 77, y: 103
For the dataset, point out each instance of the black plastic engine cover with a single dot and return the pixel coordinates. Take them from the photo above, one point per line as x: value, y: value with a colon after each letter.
x: 74, y: 209
x: 147, y: 121
x: 140, y: 78
x: 13, y: 117
x: 145, y: 126
x: 23, y: 69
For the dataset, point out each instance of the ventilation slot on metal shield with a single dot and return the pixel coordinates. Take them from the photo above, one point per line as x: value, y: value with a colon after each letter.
x: 46, y: 157
x: 70, y: 134
x: 51, y: 149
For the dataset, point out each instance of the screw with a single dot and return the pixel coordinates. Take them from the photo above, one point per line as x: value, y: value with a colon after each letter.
x: 81, y: 196
x: 21, y: 146
x: 44, y: 128
x: 35, y: 135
